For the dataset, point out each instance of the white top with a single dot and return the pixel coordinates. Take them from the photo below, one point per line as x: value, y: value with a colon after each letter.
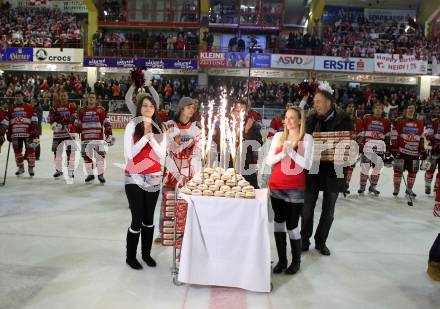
x: 304, y: 161
x: 131, y: 149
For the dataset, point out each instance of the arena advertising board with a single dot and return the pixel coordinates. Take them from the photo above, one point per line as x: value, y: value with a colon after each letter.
x: 119, y: 121
x: 399, y: 64
x: 65, y: 6
x: 58, y: 55
x: 234, y: 59
x: 16, y: 54
x: 296, y: 62
x: 339, y: 64
x: 378, y: 15
x: 142, y: 62
x: 334, y: 13
x: 212, y: 59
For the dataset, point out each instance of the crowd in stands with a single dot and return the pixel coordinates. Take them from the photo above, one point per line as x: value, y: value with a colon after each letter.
x: 362, y: 38
x: 278, y: 94
x: 110, y: 92
x: 111, y: 10
x: 38, y: 27
x: 146, y: 44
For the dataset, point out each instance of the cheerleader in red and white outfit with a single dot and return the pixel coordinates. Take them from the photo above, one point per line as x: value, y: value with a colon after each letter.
x: 144, y: 147
x: 289, y: 154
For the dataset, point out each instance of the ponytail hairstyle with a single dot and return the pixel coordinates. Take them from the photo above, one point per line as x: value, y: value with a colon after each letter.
x: 301, y: 115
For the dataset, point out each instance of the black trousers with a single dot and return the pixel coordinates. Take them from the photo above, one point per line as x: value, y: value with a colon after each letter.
x: 252, y: 179
x: 286, y: 212
x: 327, y: 216
x: 142, y: 205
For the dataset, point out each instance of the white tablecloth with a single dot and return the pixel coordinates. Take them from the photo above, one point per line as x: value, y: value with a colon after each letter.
x: 226, y: 242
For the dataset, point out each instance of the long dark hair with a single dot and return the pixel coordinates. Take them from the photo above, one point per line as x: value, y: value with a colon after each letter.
x: 156, y: 124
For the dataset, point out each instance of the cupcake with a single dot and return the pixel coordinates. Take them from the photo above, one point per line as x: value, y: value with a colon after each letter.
x: 250, y: 195
x: 196, y: 192
x: 219, y: 170
x: 219, y: 183
x: 248, y: 189
x: 231, y: 183
x: 208, y: 170
x: 219, y: 193
x: 197, y: 180
x: 202, y: 187
x: 215, y: 176
x: 225, y: 188
x: 207, y: 193
x: 243, y: 183
x: 229, y: 194
x: 236, y: 189
x: 214, y: 188
x: 185, y: 190
x: 209, y: 182
x: 230, y: 171
x: 239, y: 195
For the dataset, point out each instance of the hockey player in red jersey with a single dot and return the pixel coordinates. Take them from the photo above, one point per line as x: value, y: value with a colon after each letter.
x: 22, y: 130
x: 357, y: 136
x: 407, y: 149
x: 433, y: 136
x: 61, y: 118
x: 375, y: 145
x: 93, y: 124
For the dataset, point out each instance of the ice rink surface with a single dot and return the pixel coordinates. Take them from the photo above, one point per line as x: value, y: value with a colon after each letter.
x: 63, y: 246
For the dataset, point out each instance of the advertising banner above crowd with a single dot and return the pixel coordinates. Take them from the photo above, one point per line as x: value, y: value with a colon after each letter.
x: 212, y: 59
x: 334, y: 13
x: 65, y: 6
x: 57, y: 55
x: 296, y: 62
x: 143, y: 62
x: 378, y: 15
x: 16, y: 54
x: 399, y: 64
x: 234, y: 59
x: 338, y: 64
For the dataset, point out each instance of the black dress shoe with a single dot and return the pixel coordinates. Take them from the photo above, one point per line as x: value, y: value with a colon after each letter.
x: 322, y: 248
x: 305, y: 246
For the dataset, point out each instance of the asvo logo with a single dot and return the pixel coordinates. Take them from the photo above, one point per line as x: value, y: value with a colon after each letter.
x: 290, y: 60
x: 43, y: 55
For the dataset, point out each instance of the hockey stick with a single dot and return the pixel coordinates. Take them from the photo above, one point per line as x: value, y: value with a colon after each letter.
x: 7, y: 162
x: 410, y: 198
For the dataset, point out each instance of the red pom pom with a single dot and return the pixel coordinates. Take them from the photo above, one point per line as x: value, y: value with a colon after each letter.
x: 304, y: 89
x: 137, y: 75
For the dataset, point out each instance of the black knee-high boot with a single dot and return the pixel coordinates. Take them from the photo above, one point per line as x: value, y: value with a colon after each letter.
x: 281, y: 243
x: 132, y: 243
x: 147, y: 241
x: 295, y: 245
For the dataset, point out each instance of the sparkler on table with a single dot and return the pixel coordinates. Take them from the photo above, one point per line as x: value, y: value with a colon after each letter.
x: 223, y: 124
x: 241, y: 128
x: 211, y: 127
x: 203, y: 142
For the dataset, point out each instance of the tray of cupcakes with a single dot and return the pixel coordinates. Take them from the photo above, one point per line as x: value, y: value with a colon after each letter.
x: 219, y: 183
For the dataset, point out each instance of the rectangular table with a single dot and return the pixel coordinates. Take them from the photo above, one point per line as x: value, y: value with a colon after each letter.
x: 226, y: 242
